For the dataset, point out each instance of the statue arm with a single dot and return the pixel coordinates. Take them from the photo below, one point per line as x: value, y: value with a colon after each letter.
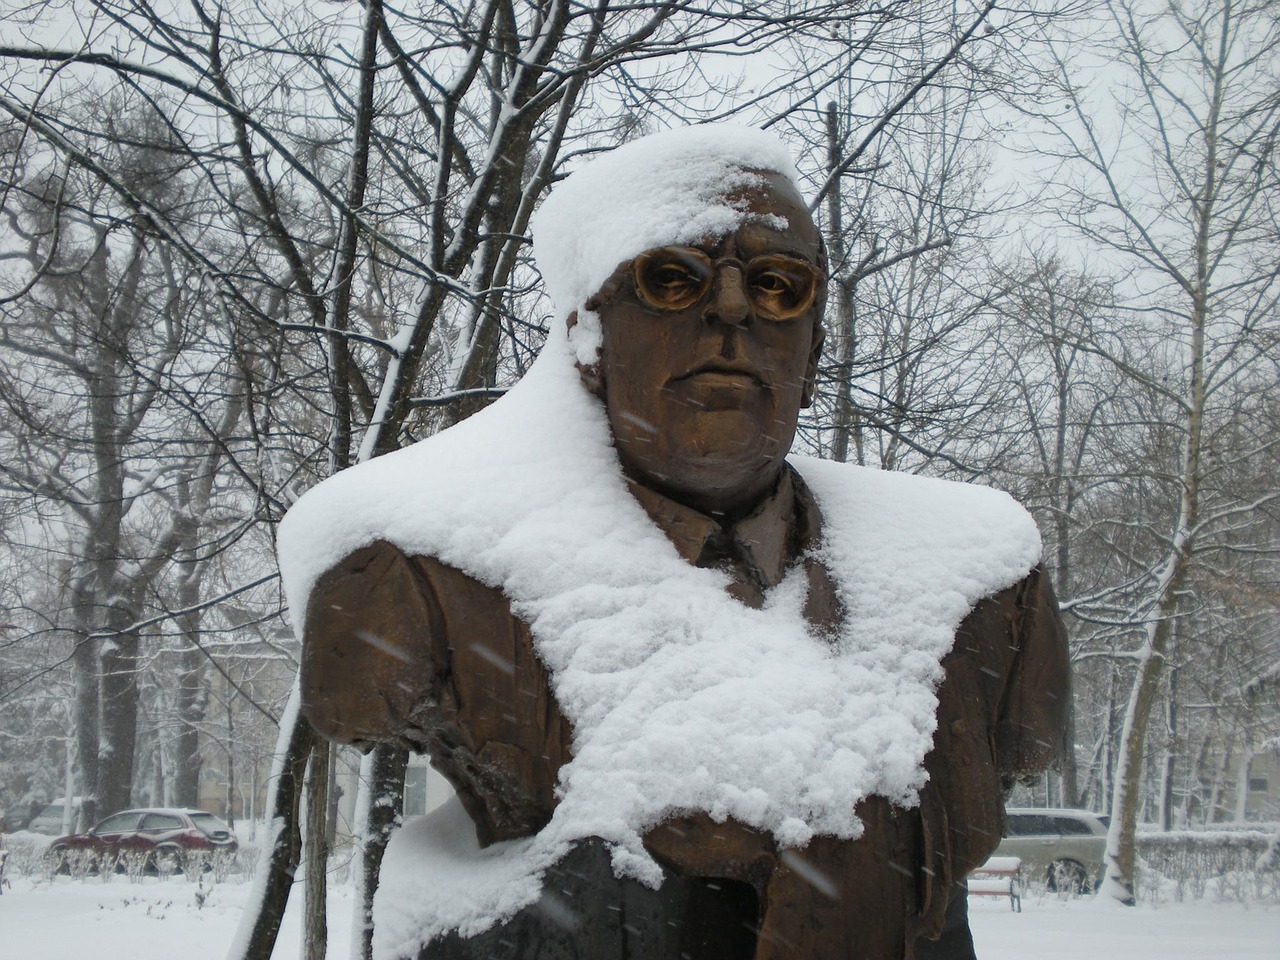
x: 1032, y: 728
x: 369, y: 653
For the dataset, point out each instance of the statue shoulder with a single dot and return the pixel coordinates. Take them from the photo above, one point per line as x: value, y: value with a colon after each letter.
x: 354, y: 521
x: 913, y: 500
x: 883, y: 530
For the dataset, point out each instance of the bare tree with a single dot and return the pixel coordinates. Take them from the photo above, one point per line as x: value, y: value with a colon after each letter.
x: 1067, y: 409
x: 99, y: 331
x: 124, y: 412
x: 899, y: 136
x: 1187, y: 192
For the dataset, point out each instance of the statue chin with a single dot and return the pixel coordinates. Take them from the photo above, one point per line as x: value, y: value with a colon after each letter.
x: 714, y: 481
x: 717, y: 458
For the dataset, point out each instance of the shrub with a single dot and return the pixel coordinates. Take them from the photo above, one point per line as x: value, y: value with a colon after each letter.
x: 26, y: 854
x: 1226, y: 864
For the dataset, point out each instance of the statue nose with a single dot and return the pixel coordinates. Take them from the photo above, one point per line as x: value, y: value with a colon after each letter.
x: 729, y: 303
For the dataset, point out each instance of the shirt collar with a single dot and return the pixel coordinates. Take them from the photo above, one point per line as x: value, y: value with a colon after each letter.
x: 767, y: 540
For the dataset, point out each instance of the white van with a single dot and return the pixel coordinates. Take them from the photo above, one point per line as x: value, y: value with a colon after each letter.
x: 1064, y: 848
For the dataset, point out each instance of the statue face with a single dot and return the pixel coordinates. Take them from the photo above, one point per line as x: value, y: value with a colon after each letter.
x: 709, y: 353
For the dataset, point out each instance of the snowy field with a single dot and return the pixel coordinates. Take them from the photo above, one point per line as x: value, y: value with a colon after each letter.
x: 175, y: 920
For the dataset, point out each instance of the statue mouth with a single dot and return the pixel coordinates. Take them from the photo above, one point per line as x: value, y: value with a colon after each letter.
x: 722, y: 372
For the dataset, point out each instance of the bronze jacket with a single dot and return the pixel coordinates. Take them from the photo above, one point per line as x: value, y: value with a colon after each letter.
x: 450, y: 670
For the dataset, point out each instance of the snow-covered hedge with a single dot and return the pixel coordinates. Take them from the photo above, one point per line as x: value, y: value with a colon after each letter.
x: 1224, y: 864
x: 29, y: 857
x: 26, y: 853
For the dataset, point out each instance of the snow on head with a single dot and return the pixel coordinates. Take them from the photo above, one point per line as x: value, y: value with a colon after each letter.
x: 668, y: 188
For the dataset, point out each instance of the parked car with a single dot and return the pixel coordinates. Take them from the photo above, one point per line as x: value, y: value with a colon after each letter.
x: 50, y: 820
x: 164, y: 836
x: 1064, y: 848
x: 18, y: 817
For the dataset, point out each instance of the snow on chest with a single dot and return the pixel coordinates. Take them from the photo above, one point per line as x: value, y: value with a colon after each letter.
x: 681, y: 698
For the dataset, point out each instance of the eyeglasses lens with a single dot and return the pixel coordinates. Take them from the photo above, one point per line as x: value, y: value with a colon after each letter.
x: 675, y: 278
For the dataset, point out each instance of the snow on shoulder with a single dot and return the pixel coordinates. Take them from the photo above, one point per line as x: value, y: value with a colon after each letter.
x: 681, y: 699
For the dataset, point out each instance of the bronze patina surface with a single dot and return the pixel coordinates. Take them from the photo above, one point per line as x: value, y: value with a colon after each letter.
x: 702, y: 375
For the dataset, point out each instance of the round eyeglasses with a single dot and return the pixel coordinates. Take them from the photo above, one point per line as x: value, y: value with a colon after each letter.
x: 778, y: 286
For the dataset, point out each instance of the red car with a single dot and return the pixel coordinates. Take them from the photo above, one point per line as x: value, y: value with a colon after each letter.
x: 165, y: 837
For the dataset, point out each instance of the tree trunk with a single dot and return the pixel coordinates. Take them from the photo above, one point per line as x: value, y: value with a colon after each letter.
x: 1064, y: 501
x: 1107, y: 778
x: 841, y: 290
x: 1121, y: 846
x: 191, y: 696
x: 119, y: 719
x: 1242, y: 783
x: 230, y: 803
x: 379, y: 807
x: 1070, y: 774
x: 316, y: 921
x: 190, y: 709
x: 84, y: 659
x: 1169, y: 762
x: 335, y: 796
x: 260, y: 923
x: 1214, y: 804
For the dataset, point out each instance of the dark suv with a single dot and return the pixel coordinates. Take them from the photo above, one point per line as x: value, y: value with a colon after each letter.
x: 159, y: 839
x: 18, y: 817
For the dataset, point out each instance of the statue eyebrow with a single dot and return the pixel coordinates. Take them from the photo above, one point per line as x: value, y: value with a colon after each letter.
x: 799, y: 255
x: 716, y: 249
x: 789, y: 251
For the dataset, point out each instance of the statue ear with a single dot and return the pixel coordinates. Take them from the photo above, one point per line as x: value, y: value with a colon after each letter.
x: 590, y: 373
x: 811, y: 371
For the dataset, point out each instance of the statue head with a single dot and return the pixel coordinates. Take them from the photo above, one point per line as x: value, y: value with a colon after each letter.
x: 703, y: 343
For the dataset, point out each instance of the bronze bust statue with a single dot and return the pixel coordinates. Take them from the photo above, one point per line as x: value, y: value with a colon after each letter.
x: 700, y: 347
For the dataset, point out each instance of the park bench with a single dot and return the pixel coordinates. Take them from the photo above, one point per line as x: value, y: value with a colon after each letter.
x: 999, y: 877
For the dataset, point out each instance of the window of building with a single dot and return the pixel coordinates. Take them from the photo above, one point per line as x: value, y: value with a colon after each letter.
x: 415, y: 791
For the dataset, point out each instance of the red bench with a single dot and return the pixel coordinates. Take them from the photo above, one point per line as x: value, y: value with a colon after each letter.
x: 999, y: 877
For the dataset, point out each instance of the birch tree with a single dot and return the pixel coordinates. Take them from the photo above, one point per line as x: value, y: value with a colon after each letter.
x: 1066, y: 416
x: 1175, y: 173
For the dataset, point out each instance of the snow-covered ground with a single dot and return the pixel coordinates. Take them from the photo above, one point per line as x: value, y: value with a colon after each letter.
x: 176, y: 920
x: 150, y: 920
x: 1053, y: 929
